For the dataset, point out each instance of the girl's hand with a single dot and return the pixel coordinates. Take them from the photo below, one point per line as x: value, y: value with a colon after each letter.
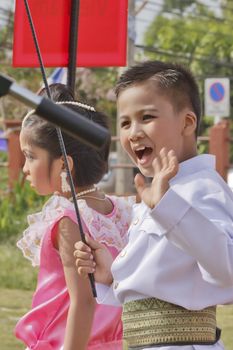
x: 93, y: 258
x: 165, y: 167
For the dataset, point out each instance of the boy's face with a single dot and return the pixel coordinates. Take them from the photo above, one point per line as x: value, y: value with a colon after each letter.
x: 148, y: 122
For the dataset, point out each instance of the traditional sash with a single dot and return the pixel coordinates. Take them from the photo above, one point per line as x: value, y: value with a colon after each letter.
x: 153, y: 322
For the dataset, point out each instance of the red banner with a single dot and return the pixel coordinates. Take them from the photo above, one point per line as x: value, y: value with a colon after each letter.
x: 102, y: 33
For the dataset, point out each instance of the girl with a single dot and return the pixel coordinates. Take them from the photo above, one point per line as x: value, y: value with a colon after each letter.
x: 64, y: 311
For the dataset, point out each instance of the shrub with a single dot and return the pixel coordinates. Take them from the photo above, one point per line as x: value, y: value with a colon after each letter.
x: 14, y: 208
x: 16, y: 272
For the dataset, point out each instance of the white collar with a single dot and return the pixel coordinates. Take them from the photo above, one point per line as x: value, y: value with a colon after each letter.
x: 196, y: 164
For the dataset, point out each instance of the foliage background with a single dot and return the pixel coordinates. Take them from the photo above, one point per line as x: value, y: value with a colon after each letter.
x: 191, y: 32
x: 195, y: 33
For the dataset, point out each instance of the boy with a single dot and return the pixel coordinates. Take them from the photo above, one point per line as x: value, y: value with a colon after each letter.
x: 178, y: 264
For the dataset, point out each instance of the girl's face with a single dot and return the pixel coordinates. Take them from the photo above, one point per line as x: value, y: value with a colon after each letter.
x: 43, y: 176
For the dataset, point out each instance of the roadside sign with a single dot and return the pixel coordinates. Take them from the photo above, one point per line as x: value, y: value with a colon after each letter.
x: 217, y: 97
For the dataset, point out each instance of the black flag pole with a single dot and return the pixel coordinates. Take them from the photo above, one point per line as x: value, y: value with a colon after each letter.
x: 73, y: 43
x: 71, y: 77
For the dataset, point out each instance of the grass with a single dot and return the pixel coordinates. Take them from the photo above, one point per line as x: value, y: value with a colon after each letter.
x: 13, y: 304
x: 225, y: 322
x: 17, y: 280
x: 16, y: 272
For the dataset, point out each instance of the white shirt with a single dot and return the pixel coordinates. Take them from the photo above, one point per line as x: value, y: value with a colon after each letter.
x: 182, y: 250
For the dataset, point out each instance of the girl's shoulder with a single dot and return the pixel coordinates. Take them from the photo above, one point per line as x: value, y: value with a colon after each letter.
x: 39, y: 223
x: 110, y: 229
x: 123, y: 202
x: 123, y: 207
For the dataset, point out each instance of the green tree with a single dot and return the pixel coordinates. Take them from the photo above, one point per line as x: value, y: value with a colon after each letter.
x: 195, y: 35
x: 178, y: 5
x: 199, y: 38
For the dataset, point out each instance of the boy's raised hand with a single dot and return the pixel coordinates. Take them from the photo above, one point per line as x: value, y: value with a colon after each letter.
x: 165, y: 167
x: 93, y: 257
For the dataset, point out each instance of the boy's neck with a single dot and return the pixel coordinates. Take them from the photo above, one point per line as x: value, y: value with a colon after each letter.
x: 188, y: 155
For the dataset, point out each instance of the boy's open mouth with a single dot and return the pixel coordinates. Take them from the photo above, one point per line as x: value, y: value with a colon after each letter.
x: 143, y: 153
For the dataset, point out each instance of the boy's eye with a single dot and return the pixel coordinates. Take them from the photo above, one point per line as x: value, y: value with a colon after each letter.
x: 148, y: 116
x: 124, y: 123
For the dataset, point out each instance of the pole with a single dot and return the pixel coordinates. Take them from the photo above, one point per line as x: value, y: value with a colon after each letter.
x: 73, y: 43
x: 71, y: 77
x: 125, y: 177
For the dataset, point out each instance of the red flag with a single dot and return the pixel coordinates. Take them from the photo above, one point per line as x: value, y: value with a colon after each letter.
x: 102, y: 33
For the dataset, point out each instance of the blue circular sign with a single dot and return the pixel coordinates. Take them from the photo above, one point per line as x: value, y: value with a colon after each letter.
x: 217, y: 92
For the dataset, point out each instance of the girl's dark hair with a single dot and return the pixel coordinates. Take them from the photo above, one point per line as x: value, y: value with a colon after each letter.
x: 174, y: 80
x: 59, y: 92
x: 89, y: 164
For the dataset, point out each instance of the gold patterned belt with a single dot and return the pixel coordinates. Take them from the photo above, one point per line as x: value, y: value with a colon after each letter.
x: 155, y: 322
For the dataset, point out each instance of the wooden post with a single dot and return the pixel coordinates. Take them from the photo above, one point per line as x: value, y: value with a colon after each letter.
x: 219, y: 146
x: 15, y: 156
x: 124, y: 176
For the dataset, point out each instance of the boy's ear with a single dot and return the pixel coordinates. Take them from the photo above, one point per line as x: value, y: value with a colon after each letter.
x: 190, y: 123
x: 70, y: 162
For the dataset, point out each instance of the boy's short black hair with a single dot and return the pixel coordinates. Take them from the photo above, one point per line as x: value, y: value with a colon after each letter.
x: 174, y: 80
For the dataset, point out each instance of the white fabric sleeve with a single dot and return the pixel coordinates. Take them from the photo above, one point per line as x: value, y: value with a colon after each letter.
x: 208, y: 241
x: 105, y: 295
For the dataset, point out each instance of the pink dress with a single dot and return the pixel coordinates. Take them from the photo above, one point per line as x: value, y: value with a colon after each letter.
x: 43, y: 328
